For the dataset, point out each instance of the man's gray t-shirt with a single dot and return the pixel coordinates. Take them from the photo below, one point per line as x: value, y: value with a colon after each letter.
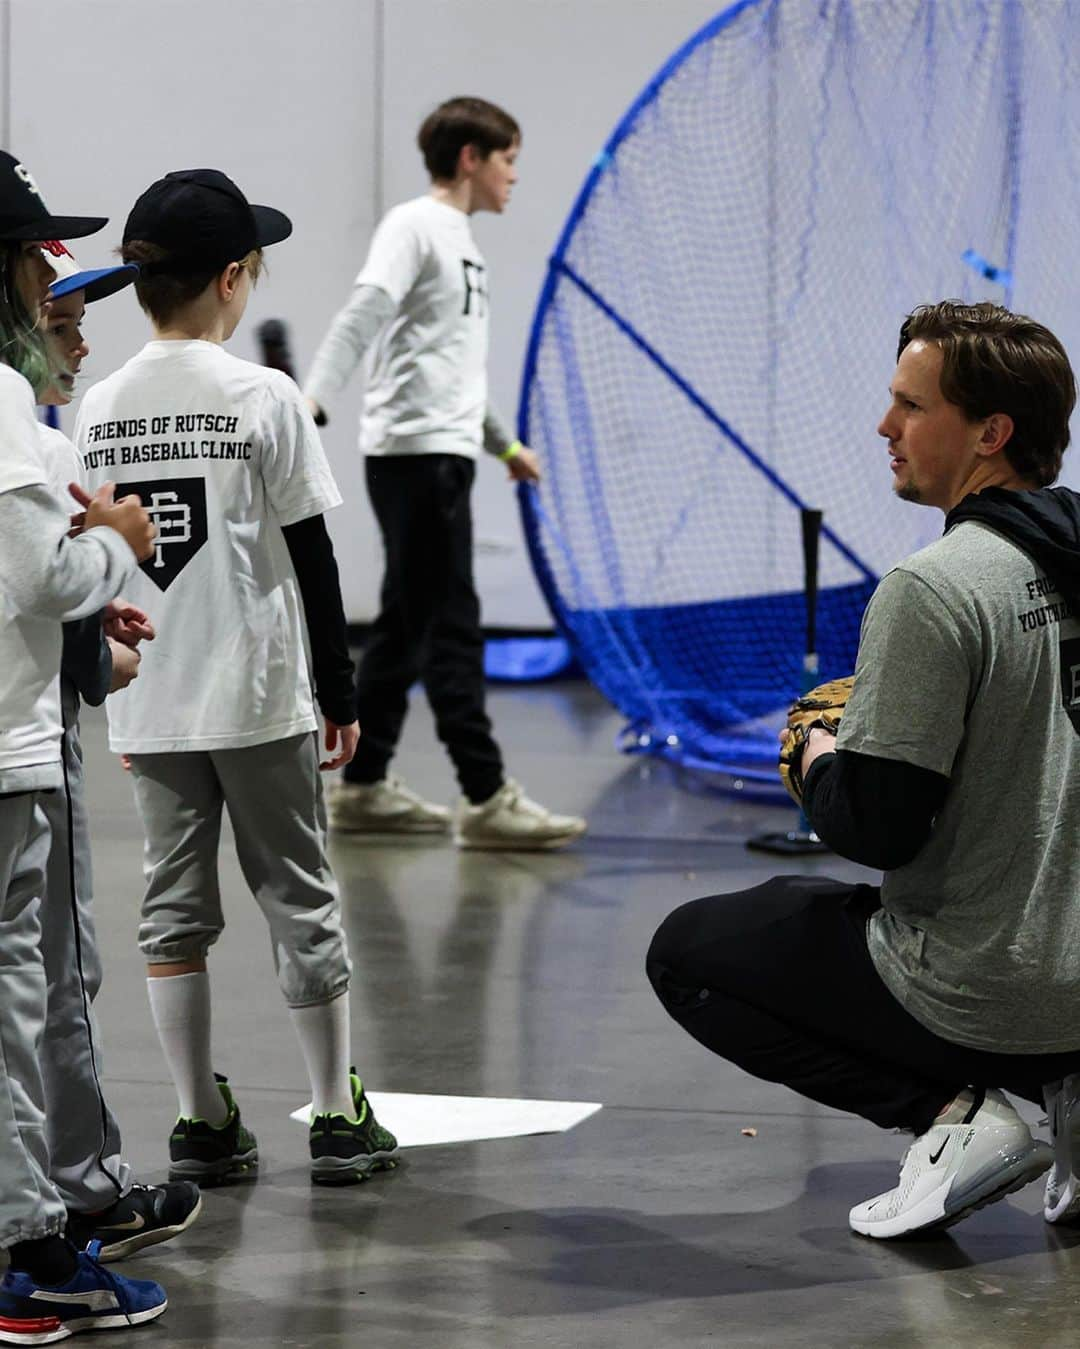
x: 966, y: 658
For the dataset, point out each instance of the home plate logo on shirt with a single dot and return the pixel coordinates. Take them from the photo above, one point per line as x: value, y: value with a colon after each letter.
x: 177, y: 507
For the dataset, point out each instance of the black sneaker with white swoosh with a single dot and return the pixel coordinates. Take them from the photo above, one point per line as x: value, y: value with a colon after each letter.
x: 144, y: 1216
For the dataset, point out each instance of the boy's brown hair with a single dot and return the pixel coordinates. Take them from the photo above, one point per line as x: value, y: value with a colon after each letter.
x: 165, y: 288
x: 459, y: 122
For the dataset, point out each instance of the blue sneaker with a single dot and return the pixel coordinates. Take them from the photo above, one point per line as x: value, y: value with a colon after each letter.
x: 92, y: 1299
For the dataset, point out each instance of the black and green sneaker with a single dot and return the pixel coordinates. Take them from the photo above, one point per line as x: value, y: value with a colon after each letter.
x: 345, y: 1151
x: 213, y: 1154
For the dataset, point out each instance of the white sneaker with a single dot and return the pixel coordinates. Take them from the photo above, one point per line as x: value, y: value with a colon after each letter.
x: 386, y: 807
x: 953, y: 1169
x: 1062, y: 1200
x: 509, y: 820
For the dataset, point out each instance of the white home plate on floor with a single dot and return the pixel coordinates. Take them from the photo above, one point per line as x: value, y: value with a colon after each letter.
x: 426, y: 1121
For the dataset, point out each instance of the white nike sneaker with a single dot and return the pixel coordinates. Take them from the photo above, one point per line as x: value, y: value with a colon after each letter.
x: 1062, y: 1201
x: 954, y: 1169
x: 386, y: 807
x: 510, y: 821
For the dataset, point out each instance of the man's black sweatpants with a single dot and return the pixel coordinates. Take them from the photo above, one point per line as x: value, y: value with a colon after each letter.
x: 428, y: 626
x: 779, y: 981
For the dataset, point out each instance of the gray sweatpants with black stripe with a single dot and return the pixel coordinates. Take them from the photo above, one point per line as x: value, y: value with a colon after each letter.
x: 273, y: 793
x: 30, y: 1205
x: 83, y: 1136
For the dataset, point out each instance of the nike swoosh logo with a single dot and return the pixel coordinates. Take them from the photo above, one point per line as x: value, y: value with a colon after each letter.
x: 135, y: 1225
x: 935, y: 1157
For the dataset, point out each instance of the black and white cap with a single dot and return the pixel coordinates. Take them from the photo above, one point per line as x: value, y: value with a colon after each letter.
x: 24, y: 215
x: 202, y: 218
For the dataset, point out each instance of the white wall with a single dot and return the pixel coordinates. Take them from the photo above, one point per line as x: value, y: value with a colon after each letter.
x: 312, y: 106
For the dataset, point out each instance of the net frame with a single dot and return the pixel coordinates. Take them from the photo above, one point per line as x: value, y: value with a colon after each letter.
x: 748, y: 750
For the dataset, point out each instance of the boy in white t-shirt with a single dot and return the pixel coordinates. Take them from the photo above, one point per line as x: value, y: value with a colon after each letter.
x: 227, y: 459
x: 421, y: 301
x: 100, y: 656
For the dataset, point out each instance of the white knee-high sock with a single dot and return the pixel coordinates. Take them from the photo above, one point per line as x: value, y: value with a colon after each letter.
x: 180, y: 1006
x: 323, y: 1032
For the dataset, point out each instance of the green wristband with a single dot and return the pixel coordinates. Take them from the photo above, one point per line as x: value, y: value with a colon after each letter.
x: 511, y: 451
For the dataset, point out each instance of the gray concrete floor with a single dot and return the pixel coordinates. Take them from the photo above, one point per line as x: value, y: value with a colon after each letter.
x: 656, y: 1222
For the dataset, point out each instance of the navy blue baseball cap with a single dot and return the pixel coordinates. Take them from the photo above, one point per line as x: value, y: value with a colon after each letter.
x: 202, y: 218
x: 24, y: 215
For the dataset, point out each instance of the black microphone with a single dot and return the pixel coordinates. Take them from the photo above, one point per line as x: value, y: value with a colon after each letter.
x: 273, y: 339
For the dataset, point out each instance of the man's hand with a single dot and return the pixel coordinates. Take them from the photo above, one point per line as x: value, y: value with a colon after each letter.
x: 524, y: 466
x: 344, y: 740
x: 124, y: 623
x: 125, y: 664
x: 815, y: 715
x: 318, y: 414
x: 818, y: 742
x: 126, y: 516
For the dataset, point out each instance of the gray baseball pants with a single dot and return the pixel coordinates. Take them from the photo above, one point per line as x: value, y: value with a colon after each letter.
x: 84, y: 1139
x: 274, y: 796
x: 30, y: 1206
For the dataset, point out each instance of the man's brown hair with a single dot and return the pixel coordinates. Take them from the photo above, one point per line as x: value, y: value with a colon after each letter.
x: 459, y: 122
x: 993, y: 360
x: 164, y: 287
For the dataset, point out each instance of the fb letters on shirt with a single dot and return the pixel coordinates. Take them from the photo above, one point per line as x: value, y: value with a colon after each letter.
x: 177, y: 507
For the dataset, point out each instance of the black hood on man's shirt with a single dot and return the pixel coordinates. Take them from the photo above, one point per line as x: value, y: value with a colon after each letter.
x: 1044, y: 523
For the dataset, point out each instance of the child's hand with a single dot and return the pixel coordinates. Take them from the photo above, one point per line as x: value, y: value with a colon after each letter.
x: 344, y: 740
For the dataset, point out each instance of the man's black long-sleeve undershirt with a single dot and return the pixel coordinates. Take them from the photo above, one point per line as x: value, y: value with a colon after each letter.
x: 312, y: 555
x: 875, y: 811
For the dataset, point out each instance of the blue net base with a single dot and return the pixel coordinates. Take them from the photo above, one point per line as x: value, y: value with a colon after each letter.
x: 692, y: 701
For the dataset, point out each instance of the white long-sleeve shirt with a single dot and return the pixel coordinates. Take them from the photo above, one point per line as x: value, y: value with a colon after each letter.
x: 45, y: 578
x: 420, y: 304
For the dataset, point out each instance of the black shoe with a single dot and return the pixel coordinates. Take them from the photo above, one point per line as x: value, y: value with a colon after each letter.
x: 213, y: 1154
x: 345, y: 1151
x: 145, y: 1215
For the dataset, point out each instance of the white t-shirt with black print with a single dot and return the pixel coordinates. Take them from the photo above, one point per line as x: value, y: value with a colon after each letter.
x: 223, y: 454
x: 427, y: 391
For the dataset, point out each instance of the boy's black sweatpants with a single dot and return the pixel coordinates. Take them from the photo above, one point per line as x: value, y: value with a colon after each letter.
x: 428, y: 626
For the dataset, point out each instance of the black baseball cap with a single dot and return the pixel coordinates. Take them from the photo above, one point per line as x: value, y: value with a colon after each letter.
x: 24, y: 215
x: 203, y: 219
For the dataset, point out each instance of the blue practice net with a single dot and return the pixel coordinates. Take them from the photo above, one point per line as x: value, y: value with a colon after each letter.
x: 718, y: 327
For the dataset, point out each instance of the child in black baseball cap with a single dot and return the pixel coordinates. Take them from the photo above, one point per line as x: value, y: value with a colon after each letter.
x: 25, y: 222
x: 222, y: 715
x: 49, y: 1289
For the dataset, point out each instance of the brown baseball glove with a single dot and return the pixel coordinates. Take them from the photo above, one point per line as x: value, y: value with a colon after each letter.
x: 823, y: 706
